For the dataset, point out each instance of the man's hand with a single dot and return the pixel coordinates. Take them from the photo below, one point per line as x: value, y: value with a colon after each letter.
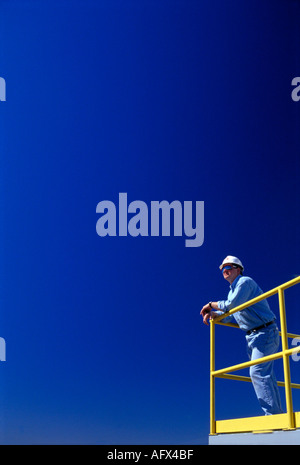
x: 206, y: 309
x: 207, y: 313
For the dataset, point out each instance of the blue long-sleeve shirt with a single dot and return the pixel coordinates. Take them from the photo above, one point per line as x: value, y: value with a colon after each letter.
x: 243, y: 289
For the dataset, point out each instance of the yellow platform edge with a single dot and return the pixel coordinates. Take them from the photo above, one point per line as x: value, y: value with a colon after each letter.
x: 256, y: 424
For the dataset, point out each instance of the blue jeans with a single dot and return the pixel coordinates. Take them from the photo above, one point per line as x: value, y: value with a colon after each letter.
x: 261, y: 343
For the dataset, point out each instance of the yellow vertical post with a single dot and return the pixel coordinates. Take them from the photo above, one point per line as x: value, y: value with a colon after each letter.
x: 286, y: 361
x: 212, y: 378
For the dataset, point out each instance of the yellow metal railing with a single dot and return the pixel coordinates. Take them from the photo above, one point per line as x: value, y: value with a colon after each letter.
x: 288, y: 420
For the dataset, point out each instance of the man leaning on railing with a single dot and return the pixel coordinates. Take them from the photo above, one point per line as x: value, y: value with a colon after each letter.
x: 258, y: 321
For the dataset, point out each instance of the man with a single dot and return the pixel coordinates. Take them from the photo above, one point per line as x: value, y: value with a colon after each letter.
x: 258, y: 321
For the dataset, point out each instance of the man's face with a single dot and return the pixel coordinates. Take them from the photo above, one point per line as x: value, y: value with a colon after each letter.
x: 230, y: 272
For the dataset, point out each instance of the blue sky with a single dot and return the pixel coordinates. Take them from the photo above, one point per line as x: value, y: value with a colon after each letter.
x: 163, y: 100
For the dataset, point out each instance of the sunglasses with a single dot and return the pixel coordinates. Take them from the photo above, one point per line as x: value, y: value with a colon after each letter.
x: 228, y: 267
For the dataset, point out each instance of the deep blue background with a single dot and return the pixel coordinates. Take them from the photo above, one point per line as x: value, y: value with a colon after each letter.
x: 164, y: 100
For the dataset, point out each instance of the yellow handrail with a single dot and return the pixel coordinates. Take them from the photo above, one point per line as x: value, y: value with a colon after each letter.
x: 289, y: 420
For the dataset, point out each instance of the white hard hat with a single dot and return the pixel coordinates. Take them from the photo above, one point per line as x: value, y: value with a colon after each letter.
x: 233, y: 260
